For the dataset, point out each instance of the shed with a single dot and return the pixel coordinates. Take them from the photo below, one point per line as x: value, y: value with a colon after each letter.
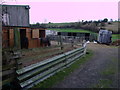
x: 12, y: 36
x: 15, y: 27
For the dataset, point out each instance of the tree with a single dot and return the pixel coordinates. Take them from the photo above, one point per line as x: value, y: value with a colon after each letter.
x: 105, y: 20
x: 37, y: 24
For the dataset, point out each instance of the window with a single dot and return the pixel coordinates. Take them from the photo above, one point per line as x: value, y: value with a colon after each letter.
x: 35, y: 33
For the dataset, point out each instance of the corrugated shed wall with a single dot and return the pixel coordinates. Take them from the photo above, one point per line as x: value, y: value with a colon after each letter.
x: 16, y: 15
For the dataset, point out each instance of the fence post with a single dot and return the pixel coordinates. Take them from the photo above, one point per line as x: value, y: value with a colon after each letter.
x: 85, y: 48
x: 61, y: 43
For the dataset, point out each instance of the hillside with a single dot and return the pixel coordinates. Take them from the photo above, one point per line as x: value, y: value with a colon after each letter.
x: 89, y: 26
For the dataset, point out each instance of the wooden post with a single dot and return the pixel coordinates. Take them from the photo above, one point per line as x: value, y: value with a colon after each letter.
x: 72, y: 42
x: 61, y: 43
x: 0, y: 47
x: 17, y: 38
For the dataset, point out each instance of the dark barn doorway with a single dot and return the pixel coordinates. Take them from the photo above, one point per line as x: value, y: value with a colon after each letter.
x: 41, y: 33
x: 75, y: 34
x: 59, y: 33
x: 69, y: 34
x: 87, y: 36
x: 23, y: 39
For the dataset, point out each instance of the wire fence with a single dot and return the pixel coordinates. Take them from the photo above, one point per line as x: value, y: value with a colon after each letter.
x: 67, y: 40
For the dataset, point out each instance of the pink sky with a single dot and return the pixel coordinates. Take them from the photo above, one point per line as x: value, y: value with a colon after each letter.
x: 71, y: 11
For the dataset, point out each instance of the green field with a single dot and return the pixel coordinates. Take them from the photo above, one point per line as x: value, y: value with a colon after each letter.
x: 60, y: 24
x: 115, y: 37
x: 72, y: 30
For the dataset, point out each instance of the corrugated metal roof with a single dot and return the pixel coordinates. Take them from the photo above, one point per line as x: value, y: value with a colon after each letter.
x: 14, y: 5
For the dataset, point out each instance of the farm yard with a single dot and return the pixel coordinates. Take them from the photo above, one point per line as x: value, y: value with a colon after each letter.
x: 59, y: 45
x: 27, y: 57
x: 81, y: 54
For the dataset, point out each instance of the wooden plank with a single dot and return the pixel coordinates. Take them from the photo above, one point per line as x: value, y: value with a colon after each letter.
x: 7, y: 72
x: 17, y: 38
x: 35, y: 33
x: 11, y: 37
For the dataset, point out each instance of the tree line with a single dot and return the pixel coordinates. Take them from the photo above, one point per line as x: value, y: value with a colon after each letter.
x: 93, y: 26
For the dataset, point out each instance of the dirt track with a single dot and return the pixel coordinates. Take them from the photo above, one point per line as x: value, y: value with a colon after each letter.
x: 89, y: 74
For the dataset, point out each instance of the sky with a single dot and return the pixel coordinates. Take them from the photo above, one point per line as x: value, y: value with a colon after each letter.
x: 44, y: 11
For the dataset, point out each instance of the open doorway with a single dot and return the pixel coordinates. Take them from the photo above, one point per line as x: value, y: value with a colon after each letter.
x: 41, y: 33
x: 87, y: 35
x: 23, y: 39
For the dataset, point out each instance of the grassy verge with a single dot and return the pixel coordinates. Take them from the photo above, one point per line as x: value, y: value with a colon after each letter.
x: 109, y: 75
x: 48, y: 83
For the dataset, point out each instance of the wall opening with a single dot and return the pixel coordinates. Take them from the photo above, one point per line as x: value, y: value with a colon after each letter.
x: 87, y: 35
x: 41, y: 33
x: 23, y: 39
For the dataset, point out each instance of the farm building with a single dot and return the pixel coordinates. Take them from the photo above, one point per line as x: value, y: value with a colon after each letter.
x: 76, y: 34
x: 82, y: 35
x: 15, y: 28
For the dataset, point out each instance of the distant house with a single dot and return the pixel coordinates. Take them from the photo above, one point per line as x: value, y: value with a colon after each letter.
x: 15, y: 27
x: 50, y: 32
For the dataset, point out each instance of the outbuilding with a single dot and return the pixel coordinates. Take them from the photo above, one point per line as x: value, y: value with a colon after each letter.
x: 16, y: 30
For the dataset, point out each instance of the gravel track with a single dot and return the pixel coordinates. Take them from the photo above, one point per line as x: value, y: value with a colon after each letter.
x: 89, y: 74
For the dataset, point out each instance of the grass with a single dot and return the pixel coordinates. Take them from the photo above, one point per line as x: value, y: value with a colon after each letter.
x: 115, y: 37
x: 110, y: 71
x: 59, y: 76
x: 72, y: 30
x: 104, y: 83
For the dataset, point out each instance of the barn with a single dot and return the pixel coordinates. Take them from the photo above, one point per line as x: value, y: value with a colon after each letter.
x: 15, y: 27
x: 76, y: 34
